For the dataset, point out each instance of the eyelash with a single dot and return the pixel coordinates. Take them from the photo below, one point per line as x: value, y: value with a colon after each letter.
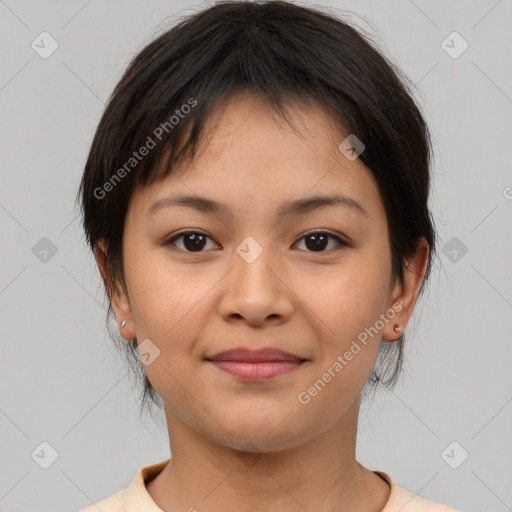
x: 170, y: 241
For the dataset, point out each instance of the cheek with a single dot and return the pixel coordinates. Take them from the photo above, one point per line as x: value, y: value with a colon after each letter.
x: 345, y: 310
x: 170, y: 307
x: 347, y: 298
x: 166, y: 300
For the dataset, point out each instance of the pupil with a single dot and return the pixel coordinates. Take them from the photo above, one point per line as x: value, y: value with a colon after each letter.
x: 319, y: 241
x: 197, y: 241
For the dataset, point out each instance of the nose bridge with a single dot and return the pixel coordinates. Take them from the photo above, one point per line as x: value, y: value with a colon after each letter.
x: 252, y: 260
x: 255, y: 290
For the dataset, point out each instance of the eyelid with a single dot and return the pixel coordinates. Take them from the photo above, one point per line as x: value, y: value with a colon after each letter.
x: 339, y: 237
x: 342, y: 243
x: 169, y: 241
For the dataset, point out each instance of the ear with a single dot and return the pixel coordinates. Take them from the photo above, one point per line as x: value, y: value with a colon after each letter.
x: 405, y: 294
x: 117, y: 294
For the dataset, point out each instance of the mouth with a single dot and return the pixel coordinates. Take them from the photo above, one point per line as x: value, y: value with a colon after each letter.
x: 256, y: 365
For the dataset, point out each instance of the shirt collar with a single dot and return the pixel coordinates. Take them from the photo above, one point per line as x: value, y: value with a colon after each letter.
x: 137, y: 497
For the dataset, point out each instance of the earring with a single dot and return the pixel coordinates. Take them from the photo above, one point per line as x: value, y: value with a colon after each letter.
x: 123, y: 323
x: 398, y: 328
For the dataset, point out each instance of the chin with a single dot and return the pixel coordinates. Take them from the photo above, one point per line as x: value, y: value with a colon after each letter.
x: 271, y: 435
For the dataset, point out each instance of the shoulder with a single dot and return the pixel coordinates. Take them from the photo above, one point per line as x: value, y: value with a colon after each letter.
x: 133, y: 498
x: 113, y: 503
x: 402, y: 500
x: 413, y: 503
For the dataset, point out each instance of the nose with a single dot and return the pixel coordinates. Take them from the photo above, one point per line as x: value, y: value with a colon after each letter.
x: 256, y: 291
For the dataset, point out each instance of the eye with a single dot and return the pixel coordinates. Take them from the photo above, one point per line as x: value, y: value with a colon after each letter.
x: 193, y: 241
x: 317, y: 241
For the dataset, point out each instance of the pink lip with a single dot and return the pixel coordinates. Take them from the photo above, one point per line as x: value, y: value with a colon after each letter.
x: 256, y: 365
x: 257, y: 371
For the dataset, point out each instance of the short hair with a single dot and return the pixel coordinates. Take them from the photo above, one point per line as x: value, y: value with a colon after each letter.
x: 286, y: 54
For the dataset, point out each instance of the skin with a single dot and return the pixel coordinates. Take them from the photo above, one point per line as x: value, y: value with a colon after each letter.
x: 311, y: 302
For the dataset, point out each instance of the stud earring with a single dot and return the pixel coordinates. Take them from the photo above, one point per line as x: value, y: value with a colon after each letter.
x: 123, y: 323
x: 398, y: 328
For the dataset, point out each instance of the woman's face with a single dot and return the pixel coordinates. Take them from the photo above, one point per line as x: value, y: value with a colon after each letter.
x: 252, y: 275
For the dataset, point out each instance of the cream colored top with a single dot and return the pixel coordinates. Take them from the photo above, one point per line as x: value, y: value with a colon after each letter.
x: 136, y: 498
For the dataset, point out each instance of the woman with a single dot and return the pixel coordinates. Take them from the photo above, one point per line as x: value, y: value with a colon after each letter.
x: 256, y: 199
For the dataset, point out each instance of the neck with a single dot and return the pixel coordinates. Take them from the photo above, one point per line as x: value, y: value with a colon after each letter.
x: 320, y: 474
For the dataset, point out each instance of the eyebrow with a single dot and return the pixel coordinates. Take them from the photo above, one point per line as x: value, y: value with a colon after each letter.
x: 294, y: 207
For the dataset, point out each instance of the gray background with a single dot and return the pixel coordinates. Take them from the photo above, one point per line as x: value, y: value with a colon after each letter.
x: 62, y: 382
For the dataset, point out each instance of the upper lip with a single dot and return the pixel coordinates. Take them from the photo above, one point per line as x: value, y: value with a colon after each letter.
x: 254, y: 356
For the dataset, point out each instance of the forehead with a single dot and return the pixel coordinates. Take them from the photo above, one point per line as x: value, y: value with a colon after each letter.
x: 247, y: 124
x: 250, y: 156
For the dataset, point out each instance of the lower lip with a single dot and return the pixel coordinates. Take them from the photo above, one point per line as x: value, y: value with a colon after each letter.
x: 264, y: 370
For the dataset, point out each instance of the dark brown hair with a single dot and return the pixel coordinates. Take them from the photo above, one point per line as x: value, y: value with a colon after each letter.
x: 285, y: 53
